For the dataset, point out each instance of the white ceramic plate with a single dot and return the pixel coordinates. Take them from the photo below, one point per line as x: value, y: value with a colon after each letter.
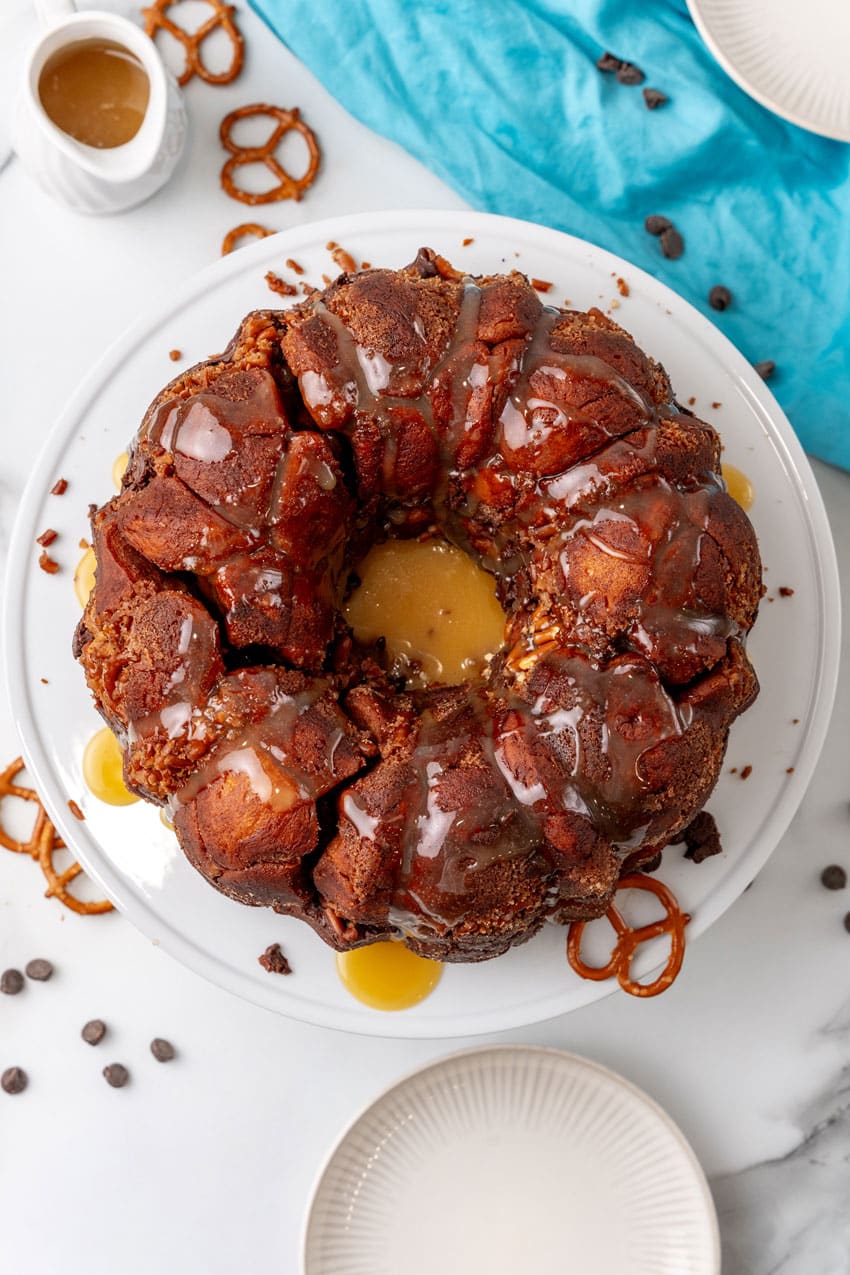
x: 789, y: 56
x: 512, y: 1159
x: 137, y: 861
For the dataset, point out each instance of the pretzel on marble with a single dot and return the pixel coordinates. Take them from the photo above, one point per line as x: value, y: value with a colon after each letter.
x: 41, y: 845
x: 8, y: 788
x: 629, y: 940
x: 238, y: 232
x: 58, y: 882
x: 288, y: 187
x: 156, y: 19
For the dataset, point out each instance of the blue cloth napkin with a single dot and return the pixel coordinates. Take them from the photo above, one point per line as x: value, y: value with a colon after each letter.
x: 503, y: 100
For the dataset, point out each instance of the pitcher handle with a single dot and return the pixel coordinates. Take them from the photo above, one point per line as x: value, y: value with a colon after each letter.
x: 49, y: 12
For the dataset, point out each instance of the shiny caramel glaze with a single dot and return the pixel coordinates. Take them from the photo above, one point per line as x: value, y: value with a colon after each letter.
x: 299, y: 773
x: 387, y: 976
x: 435, y: 609
x: 739, y: 486
x: 102, y: 770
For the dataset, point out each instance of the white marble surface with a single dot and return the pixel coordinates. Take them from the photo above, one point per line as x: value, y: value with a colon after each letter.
x: 204, y: 1166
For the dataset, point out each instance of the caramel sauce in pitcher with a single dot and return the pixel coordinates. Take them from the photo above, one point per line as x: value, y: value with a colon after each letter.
x: 96, y: 91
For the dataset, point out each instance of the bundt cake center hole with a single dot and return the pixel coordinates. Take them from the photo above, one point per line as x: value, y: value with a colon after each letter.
x: 433, y: 606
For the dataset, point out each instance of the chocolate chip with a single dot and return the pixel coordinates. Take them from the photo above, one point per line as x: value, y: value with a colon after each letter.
x: 656, y: 224
x: 609, y: 63
x: 274, y: 961
x: 628, y: 73
x: 13, y: 1080
x: 39, y: 969
x: 116, y: 1075
x: 765, y: 369
x: 672, y: 243
x: 834, y: 877
x: 720, y: 298
x: 162, y: 1050
x: 701, y: 838
x: 654, y: 98
x: 94, y: 1031
x: 11, y: 982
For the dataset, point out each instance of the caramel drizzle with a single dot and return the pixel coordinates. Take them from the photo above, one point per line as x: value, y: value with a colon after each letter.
x: 361, y: 378
x: 445, y: 847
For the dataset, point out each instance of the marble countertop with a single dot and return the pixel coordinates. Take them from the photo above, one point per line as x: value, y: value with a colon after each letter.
x: 205, y: 1166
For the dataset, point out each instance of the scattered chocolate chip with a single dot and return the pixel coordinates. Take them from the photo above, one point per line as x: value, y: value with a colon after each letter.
x: 94, y: 1031
x: 13, y: 1080
x: 719, y: 298
x: 175, y: 355
x: 654, y: 98
x: 701, y: 838
x: 656, y: 225
x: 785, y: 592
x: 834, y: 877
x: 628, y: 73
x: 39, y: 969
x: 75, y: 810
x: 541, y: 285
x: 274, y: 961
x: 608, y: 62
x: 11, y: 982
x: 466, y: 242
x: 59, y: 487
x: 672, y: 243
x: 162, y: 1050
x: 46, y: 538
x: 293, y: 265
x: 746, y: 772
x: 765, y: 369
x: 789, y: 770
x: 48, y: 564
x: 116, y: 1075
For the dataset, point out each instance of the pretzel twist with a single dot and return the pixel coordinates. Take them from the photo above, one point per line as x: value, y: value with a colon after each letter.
x: 288, y: 187
x: 629, y: 940
x: 42, y: 844
x: 156, y: 19
x: 239, y: 232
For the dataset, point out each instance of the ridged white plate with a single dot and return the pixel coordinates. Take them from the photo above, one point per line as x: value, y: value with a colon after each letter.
x: 790, y: 56
x: 136, y: 860
x: 512, y: 1161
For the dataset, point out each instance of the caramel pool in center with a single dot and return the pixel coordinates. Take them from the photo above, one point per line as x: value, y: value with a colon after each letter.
x: 433, y: 606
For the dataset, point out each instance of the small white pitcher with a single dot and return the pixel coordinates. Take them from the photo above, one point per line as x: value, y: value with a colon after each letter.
x: 85, y: 178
